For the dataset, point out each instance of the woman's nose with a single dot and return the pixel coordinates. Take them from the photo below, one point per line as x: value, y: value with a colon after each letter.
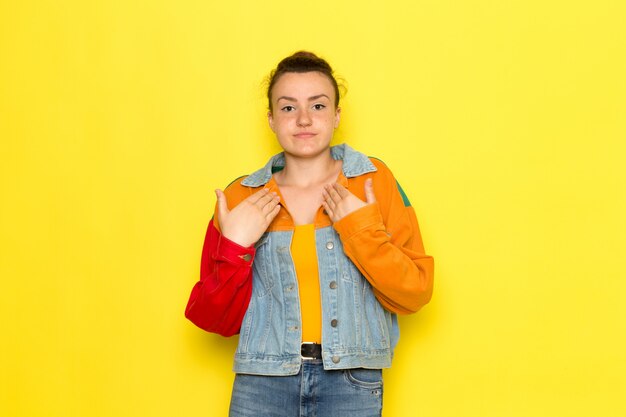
x: 303, y: 119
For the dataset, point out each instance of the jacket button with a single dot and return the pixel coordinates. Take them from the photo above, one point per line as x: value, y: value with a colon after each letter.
x: 333, y: 322
x: 335, y: 359
x: 330, y: 245
x: 333, y: 285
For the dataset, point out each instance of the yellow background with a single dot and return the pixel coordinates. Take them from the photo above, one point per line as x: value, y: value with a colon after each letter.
x: 505, y: 122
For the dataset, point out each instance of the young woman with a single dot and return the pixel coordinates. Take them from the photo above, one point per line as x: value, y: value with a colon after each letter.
x: 310, y: 259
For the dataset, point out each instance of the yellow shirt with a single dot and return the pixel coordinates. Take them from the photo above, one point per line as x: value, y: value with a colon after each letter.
x: 304, y: 257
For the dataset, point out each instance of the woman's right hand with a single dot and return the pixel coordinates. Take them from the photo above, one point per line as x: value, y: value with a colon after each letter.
x: 248, y: 220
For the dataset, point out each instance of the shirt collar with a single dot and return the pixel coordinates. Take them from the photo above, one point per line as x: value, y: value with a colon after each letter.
x: 354, y: 164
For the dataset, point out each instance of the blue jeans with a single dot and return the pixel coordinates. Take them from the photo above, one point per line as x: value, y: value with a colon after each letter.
x: 313, y: 392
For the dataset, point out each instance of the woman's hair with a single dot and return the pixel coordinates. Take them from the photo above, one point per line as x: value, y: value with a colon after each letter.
x: 301, y: 61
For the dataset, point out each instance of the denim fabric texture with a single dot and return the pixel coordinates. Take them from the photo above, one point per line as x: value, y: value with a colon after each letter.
x: 357, y: 332
x: 354, y: 164
x: 313, y: 392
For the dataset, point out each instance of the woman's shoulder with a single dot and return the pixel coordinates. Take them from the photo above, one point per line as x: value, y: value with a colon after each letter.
x: 382, y: 169
x: 236, y: 191
x: 385, y: 176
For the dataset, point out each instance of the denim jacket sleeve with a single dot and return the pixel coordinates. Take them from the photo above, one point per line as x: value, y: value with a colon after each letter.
x: 218, y: 302
x: 384, y: 242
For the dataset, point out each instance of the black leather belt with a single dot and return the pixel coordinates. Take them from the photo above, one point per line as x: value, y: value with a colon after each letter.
x: 311, y: 350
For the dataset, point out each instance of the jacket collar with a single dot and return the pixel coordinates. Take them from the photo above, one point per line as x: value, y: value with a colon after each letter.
x: 354, y: 164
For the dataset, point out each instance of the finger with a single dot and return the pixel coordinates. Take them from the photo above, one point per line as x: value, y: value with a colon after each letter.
x: 222, y: 206
x: 265, y: 200
x: 334, y: 195
x: 341, y: 190
x: 328, y: 210
x: 258, y: 195
x: 328, y: 199
x: 370, y: 197
x: 272, y: 214
x: 269, y: 207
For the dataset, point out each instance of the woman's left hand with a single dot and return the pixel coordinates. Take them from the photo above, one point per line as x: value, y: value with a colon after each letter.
x: 339, y: 202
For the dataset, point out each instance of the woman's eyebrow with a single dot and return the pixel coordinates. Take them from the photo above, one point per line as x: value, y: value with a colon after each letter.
x: 312, y: 98
x: 318, y: 96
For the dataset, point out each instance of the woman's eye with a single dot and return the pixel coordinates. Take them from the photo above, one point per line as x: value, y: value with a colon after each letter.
x: 318, y: 106
x: 288, y: 108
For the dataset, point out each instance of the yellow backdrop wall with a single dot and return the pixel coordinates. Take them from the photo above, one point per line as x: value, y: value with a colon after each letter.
x: 505, y: 122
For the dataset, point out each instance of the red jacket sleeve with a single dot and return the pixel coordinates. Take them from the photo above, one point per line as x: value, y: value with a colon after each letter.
x: 219, y: 301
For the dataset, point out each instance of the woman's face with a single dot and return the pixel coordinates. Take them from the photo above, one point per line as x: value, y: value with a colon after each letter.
x: 303, y: 116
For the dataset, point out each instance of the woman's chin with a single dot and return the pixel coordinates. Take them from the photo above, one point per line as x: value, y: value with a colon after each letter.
x: 307, y: 151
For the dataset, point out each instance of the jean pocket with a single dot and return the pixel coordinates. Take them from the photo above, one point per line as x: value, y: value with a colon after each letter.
x: 365, y: 378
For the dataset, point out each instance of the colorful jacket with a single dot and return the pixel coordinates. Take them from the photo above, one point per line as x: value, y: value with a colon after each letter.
x: 372, y: 265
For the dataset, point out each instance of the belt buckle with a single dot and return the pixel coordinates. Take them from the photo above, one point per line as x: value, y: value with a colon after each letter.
x: 306, y: 357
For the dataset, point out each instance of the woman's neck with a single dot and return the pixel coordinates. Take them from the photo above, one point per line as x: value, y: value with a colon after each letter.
x: 305, y: 172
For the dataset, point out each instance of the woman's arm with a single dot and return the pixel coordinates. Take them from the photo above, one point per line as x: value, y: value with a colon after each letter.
x: 383, y: 240
x: 394, y: 263
x: 220, y: 299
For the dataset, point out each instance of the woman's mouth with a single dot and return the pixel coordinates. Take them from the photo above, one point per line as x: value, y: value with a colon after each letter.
x: 304, y: 135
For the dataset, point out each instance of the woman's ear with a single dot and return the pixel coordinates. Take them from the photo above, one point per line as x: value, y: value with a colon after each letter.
x: 270, y: 119
x: 337, y: 116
